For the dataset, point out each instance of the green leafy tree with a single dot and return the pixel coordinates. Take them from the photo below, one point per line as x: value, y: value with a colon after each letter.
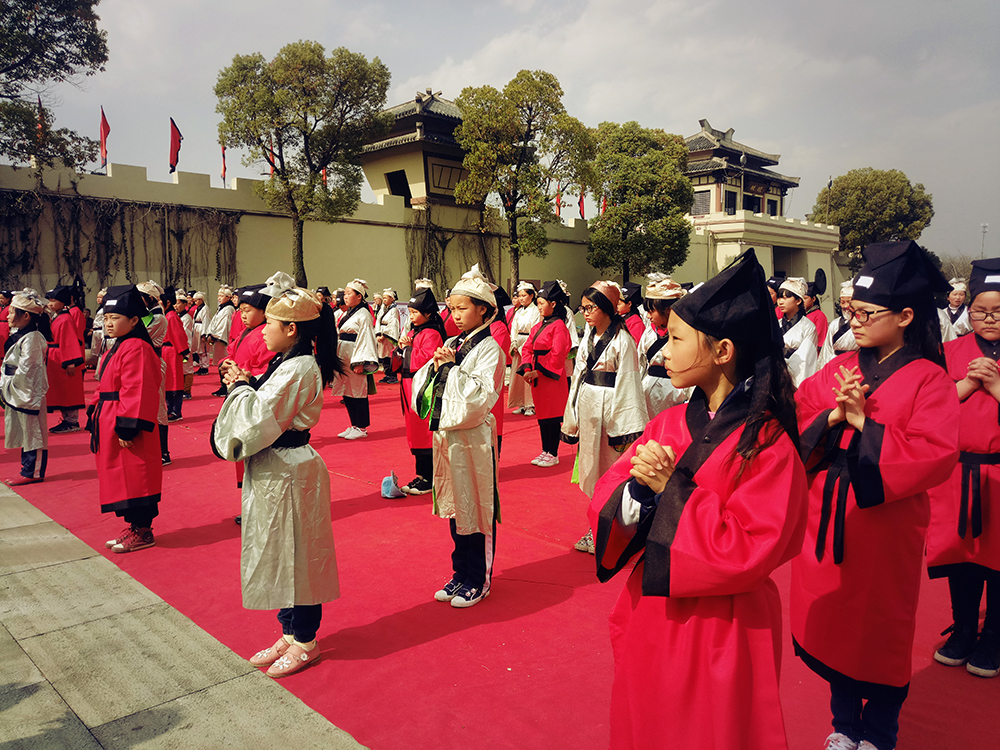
x: 304, y: 115
x: 644, y: 227
x: 42, y: 43
x: 873, y: 205
x: 521, y: 146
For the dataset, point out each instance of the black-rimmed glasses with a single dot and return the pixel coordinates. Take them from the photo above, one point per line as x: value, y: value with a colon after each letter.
x: 863, y: 316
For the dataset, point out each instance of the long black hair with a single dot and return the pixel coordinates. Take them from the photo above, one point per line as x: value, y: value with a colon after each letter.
x: 39, y: 322
x: 924, y: 333
x: 318, y: 337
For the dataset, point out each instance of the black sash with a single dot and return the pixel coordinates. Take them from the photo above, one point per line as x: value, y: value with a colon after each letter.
x: 600, y: 378
x: 595, y: 354
x: 292, y: 439
x: 972, y: 490
x: 348, y: 337
x: 844, y: 327
x: 656, y: 346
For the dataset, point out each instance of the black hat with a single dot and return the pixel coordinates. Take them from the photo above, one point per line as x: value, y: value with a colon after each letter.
x: 62, y: 293
x: 324, y: 290
x: 898, y: 275
x: 985, y: 277
x: 503, y: 299
x: 169, y: 296
x: 776, y: 281
x: 734, y: 304
x: 423, y: 301
x: 254, y: 296
x: 553, y: 292
x: 125, y: 300
x: 632, y: 293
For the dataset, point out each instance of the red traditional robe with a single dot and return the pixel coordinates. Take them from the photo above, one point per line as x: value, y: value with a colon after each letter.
x: 546, y: 350
x: 696, y: 633
x: 426, y: 341
x: 125, y: 406
x: 822, y: 324
x: 965, y: 527
x: 251, y: 353
x: 236, y: 327
x: 635, y: 325
x: 450, y: 328
x: 65, y: 349
x: 4, y: 327
x: 79, y: 318
x: 855, y: 585
x: 501, y: 334
x: 175, y: 348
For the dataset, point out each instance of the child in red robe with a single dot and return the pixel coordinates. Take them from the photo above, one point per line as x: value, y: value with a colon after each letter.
x: 713, y: 497
x: 122, y: 422
x: 878, y: 431
x: 65, y: 363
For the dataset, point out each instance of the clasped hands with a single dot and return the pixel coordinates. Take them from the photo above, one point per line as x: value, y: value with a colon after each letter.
x: 232, y: 372
x: 983, y: 373
x: 443, y: 354
x: 850, y: 397
x: 653, y: 465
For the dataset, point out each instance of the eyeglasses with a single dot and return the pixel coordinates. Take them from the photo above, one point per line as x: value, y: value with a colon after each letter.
x: 978, y: 315
x: 587, y: 309
x: 863, y: 316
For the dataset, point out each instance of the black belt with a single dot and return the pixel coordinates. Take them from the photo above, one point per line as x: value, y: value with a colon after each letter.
x: 973, y: 490
x: 541, y: 352
x: 348, y: 336
x: 407, y: 375
x: 837, y: 472
x: 9, y: 369
x: 601, y: 378
x: 292, y: 439
x: 109, y: 396
x: 657, y: 371
x: 53, y: 345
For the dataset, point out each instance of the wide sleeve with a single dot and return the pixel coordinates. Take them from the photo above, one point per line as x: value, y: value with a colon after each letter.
x: 552, y: 364
x: 423, y: 347
x: 813, y: 403
x: 25, y: 389
x: 391, y: 328
x: 70, y: 349
x: 139, y: 389
x: 628, y: 415
x: 802, y: 362
x: 472, y: 388
x: 528, y: 353
x: 570, y: 424
x: 176, y: 334
x: 365, y: 351
x: 895, y: 461
x: 730, y: 543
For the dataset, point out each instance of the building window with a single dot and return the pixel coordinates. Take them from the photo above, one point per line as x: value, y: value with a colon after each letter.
x: 730, y: 207
x: 751, y: 203
x: 702, y: 203
x: 772, y: 207
x: 399, y: 185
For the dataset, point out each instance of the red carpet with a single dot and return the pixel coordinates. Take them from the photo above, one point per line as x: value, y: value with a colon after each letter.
x: 530, y: 667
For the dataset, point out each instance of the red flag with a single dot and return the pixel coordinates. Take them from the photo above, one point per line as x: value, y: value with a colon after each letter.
x: 604, y: 204
x: 175, y: 145
x: 105, y: 131
x: 270, y: 148
x: 580, y: 203
x: 559, y: 201
x: 324, y: 176
x: 223, y: 165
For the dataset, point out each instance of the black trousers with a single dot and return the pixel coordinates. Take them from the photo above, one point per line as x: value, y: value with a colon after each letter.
x: 874, y: 720
x: 471, y: 562
x: 175, y: 400
x: 32, y: 465
x: 301, y: 621
x: 357, y: 410
x: 965, y: 584
x: 424, y: 460
x: 140, y: 518
x: 549, y: 430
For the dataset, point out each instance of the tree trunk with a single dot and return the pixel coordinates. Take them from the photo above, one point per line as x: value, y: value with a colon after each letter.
x: 625, y: 271
x: 298, y: 265
x: 515, y: 255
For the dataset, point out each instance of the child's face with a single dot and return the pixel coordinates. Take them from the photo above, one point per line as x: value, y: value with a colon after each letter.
x: 465, y: 312
x: 116, y: 325
x: 352, y: 298
x: 595, y: 316
x: 788, y: 303
x: 17, y: 318
x: 252, y: 316
x: 279, y: 336
x: 956, y: 299
x: 685, y: 355
x: 223, y: 299
x: 524, y: 298
x: 986, y: 302
x: 659, y: 319
x: 623, y: 307
x: 545, y: 307
x: 883, y: 327
x: 55, y: 305
x: 417, y: 318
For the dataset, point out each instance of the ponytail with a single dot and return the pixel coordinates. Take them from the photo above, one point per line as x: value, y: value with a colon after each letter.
x: 319, y: 338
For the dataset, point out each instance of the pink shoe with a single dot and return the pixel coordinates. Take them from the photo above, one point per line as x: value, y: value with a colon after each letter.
x: 547, y: 460
x: 293, y: 660
x: 268, y: 656
x: 541, y: 456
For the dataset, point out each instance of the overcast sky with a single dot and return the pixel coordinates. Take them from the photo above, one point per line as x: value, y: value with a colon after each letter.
x: 910, y: 85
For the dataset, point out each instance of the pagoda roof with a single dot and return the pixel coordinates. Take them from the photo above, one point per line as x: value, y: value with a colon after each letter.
x: 427, y: 102
x: 722, y: 143
x: 715, y: 164
x: 428, y: 118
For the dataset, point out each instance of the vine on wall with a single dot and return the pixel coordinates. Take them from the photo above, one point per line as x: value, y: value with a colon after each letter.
x: 428, y: 245
x: 63, y: 235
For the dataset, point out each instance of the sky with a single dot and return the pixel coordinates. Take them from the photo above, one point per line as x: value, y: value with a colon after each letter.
x: 910, y: 85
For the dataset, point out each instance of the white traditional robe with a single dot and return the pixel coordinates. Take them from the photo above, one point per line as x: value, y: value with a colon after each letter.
x: 959, y: 320
x: 356, y: 346
x: 24, y: 382
x: 947, y: 329
x: 464, y: 433
x: 218, y: 327
x: 801, y: 349
x: 603, y: 417
x: 837, y: 341
x: 388, y: 325
x: 287, y: 555
x: 187, y: 321
x: 521, y: 323
x: 660, y: 394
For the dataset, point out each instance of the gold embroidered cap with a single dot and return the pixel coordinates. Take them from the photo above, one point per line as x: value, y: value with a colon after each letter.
x: 28, y: 300
x: 475, y: 286
x: 360, y: 286
x: 662, y: 286
x: 151, y: 288
x: 290, y: 303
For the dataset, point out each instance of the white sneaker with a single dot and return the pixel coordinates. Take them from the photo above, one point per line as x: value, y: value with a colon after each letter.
x: 346, y: 432
x: 547, y: 460
x: 538, y: 458
x: 518, y: 410
x: 356, y: 432
x: 838, y: 741
x: 529, y: 412
x: 866, y: 745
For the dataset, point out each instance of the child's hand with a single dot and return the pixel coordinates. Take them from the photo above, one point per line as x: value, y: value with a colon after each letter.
x: 442, y: 355
x: 407, y: 340
x: 846, y: 381
x: 653, y: 465
x: 985, y: 371
x: 850, y: 396
x: 124, y: 443
x: 358, y: 369
x: 530, y: 375
x: 234, y: 373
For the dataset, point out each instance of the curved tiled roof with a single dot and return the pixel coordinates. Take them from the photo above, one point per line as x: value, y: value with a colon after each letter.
x: 715, y: 163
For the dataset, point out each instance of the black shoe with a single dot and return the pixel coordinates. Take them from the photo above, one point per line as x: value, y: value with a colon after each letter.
x: 957, y: 649
x: 985, y: 658
x: 202, y: 371
x: 64, y: 427
x: 390, y: 381
x: 165, y: 459
x: 239, y: 520
x: 174, y: 417
x: 221, y: 392
x: 418, y: 486
x: 186, y: 397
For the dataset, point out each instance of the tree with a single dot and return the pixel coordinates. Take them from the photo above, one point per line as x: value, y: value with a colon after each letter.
x: 640, y: 172
x: 45, y: 42
x: 873, y: 205
x: 307, y: 117
x: 522, y: 146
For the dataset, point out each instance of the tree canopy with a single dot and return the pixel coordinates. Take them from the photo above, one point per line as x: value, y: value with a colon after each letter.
x: 644, y: 226
x: 306, y: 117
x: 45, y: 42
x: 522, y: 147
x: 873, y: 205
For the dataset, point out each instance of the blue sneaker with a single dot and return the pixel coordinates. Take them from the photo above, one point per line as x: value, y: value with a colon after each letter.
x: 449, y: 591
x: 468, y: 597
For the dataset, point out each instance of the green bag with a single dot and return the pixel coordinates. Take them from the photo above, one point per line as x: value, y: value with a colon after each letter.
x: 426, y: 400
x: 575, y: 479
